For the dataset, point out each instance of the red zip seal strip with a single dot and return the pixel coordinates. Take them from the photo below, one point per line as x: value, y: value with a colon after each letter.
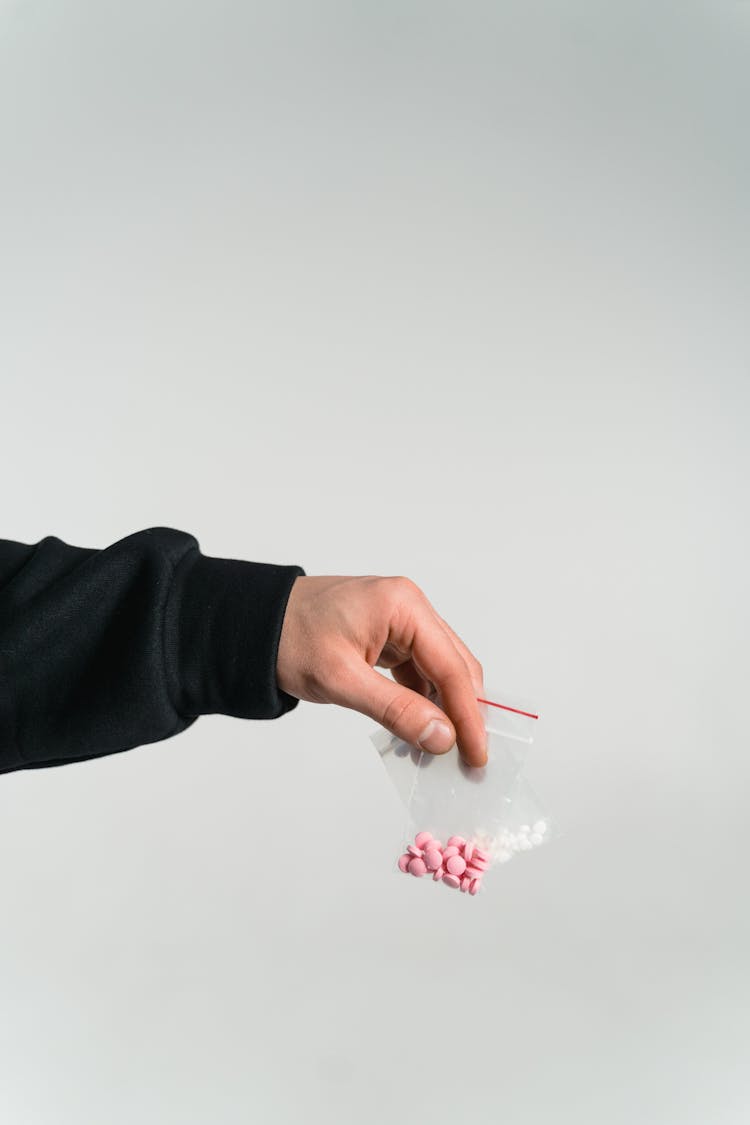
x: 504, y: 707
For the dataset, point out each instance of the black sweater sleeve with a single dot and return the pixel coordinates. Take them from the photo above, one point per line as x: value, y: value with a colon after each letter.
x: 104, y: 650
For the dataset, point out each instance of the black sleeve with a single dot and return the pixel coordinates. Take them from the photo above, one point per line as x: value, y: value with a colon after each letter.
x: 104, y: 650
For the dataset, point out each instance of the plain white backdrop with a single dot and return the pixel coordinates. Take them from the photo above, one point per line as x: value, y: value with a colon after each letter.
x: 453, y: 291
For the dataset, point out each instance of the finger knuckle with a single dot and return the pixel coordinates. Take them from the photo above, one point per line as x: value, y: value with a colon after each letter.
x: 406, y: 585
x: 397, y: 590
x: 396, y: 710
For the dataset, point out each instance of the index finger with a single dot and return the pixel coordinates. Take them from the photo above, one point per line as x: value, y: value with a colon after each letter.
x: 438, y: 659
x: 475, y: 668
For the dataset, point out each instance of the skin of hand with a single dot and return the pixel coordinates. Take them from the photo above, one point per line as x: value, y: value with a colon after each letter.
x: 337, y: 629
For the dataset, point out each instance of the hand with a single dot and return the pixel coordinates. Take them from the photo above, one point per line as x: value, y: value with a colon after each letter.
x: 337, y: 629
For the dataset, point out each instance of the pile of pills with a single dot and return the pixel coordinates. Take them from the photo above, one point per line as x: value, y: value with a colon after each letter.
x: 505, y: 844
x: 460, y: 864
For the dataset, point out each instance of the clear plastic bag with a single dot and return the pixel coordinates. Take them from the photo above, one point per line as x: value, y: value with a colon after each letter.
x: 483, y: 815
x: 525, y: 825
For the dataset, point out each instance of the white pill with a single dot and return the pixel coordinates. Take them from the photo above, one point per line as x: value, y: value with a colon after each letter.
x: 503, y: 856
x: 540, y: 827
x: 525, y: 828
x: 524, y: 843
x: 536, y: 839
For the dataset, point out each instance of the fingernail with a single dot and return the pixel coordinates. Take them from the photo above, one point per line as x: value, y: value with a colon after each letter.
x: 436, y: 737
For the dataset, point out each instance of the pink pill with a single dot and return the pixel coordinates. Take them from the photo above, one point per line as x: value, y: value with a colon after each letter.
x: 403, y: 862
x: 455, y: 865
x: 417, y: 852
x: 465, y: 883
x: 474, y: 886
x: 438, y: 874
x: 436, y: 844
x: 452, y: 849
x: 451, y: 880
x: 422, y: 838
x: 480, y: 853
x: 458, y: 841
x: 433, y: 859
x: 416, y: 866
x: 468, y: 850
x: 473, y: 871
x: 482, y: 864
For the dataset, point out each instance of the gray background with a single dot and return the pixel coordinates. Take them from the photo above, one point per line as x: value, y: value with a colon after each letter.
x: 457, y: 291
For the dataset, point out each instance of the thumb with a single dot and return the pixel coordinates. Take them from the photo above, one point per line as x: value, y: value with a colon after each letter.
x: 405, y: 713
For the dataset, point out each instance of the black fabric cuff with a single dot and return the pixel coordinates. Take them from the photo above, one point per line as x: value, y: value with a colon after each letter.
x: 222, y: 629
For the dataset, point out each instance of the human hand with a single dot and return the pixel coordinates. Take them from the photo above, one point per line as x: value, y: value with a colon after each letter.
x: 338, y: 628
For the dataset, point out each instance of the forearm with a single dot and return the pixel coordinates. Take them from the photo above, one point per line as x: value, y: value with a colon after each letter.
x: 104, y: 650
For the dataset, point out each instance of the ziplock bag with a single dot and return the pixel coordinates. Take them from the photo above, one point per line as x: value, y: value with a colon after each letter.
x: 525, y: 825
x: 466, y: 818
